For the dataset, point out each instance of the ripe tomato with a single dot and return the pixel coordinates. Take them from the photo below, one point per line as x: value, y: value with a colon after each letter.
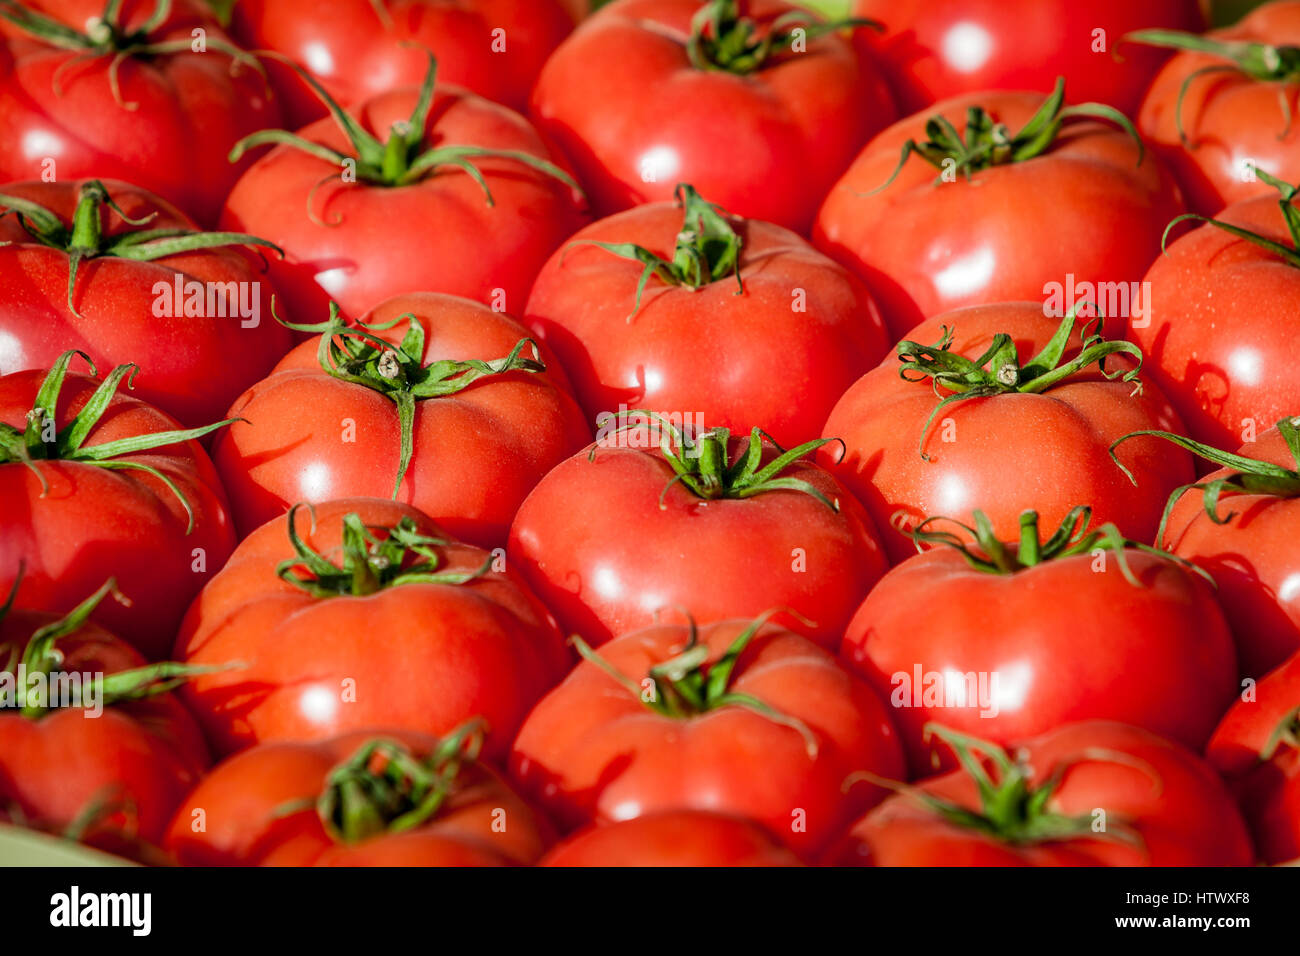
x: 1092, y: 793
x: 737, y: 318
x: 419, y: 193
x: 723, y: 526
x: 1002, y: 220
x: 1029, y: 638
x: 1004, y: 433
x: 361, y: 799
x: 98, y: 485
x: 672, y: 838
x: 106, y: 284
x: 461, y: 425
x: 155, y: 95
x: 1225, y: 101
x: 735, y: 717
x: 650, y: 93
x: 364, y: 617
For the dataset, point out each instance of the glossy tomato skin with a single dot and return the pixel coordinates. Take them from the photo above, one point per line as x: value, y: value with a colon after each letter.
x: 1084, y: 211
x: 1229, y: 120
x: 1004, y: 454
x: 359, y: 244
x: 719, y: 559
x: 591, y: 750
x: 1175, y: 802
x: 189, y: 108
x: 623, y: 101
x: 932, y: 51
x: 89, y: 523
x: 242, y: 803
x: 193, y: 365
x: 495, y: 48
x: 1220, y: 337
x: 1044, y: 645
x: 477, y: 453
x: 672, y: 838
x: 423, y: 657
x: 802, y: 327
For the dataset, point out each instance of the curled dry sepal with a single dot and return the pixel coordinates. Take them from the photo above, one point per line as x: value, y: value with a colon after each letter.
x: 721, y: 39
x: 38, y: 441
x: 1290, y: 215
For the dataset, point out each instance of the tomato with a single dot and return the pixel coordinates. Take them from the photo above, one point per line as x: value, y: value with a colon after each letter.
x: 140, y: 97
x: 733, y: 320
x: 973, y: 422
x: 672, y: 838
x: 486, y: 418
x: 360, y: 48
x: 360, y: 799
x: 96, y: 485
x: 1225, y: 101
x: 1090, y: 793
x: 649, y: 93
x: 1000, y: 222
x: 723, y: 526
x: 80, y: 276
x: 1257, y: 750
x: 931, y: 51
x: 396, y: 205
x: 365, y: 617
x: 735, y: 717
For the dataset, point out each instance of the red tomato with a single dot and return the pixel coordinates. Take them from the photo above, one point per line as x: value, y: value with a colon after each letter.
x: 397, y: 628
x: 482, y: 435
x: 722, y: 526
x: 932, y: 51
x: 1083, y: 207
x: 394, y: 205
x: 1038, y: 443
x: 695, y: 342
x: 1211, y: 112
x: 133, y: 99
x: 1026, y: 639
x: 98, y: 485
x: 1257, y: 750
x: 1159, y: 803
x: 753, y: 722
x: 650, y: 93
x: 123, y: 305
x: 672, y: 838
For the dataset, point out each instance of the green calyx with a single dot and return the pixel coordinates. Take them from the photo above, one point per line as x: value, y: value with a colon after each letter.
x: 721, y: 39
x: 1290, y: 215
x: 40, y: 441
x: 1285, y: 734
x: 84, y: 237
x: 988, y: 143
x: 352, y: 353
x: 1250, y: 476
x: 999, y: 371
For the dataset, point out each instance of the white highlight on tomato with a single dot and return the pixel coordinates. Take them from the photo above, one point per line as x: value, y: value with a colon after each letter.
x: 315, y: 482
x: 605, y: 581
x: 38, y: 144
x: 967, y: 47
x: 318, y: 58
x: 12, y: 357
x: 319, y: 704
x: 1244, y: 365
x: 966, y: 275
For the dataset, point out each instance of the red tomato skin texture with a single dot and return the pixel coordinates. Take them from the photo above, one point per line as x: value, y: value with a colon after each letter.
x: 358, y: 244
x: 243, y: 797
x: 1229, y: 119
x: 116, y: 299
x: 190, y: 109
x: 591, y: 751
x: 1007, y: 453
x: 726, y: 558
x: 90, y: 523
x: 622, y: 100
x: 1188, y: 820
x: 734, y: 359
x: 1222, y: 326
x: 1085, y: 208
x: 1054, y: 637
x: 933, y: 51
x: 674, y: 838
x: 423, y: 657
